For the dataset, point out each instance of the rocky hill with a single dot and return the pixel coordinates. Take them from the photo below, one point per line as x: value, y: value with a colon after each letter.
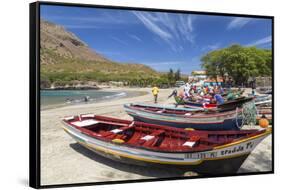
x: 65, y: 58
x: 56, y: 39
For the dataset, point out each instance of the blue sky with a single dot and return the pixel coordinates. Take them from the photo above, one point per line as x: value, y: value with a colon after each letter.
x: 159, y: 40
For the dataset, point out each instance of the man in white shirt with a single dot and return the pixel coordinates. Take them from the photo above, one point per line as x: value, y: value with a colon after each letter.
x: 187, y: 89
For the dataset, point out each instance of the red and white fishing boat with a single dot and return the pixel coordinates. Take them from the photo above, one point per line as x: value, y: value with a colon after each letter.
x: 131, y: 142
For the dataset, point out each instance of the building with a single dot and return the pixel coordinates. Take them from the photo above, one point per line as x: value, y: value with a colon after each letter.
x: 197, y: 76
x: 213, y: 82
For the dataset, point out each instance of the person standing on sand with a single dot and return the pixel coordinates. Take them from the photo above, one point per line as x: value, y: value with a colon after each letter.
x: 155, y: 91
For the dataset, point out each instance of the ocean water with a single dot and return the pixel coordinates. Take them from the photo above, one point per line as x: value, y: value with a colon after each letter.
x: 58, y: 98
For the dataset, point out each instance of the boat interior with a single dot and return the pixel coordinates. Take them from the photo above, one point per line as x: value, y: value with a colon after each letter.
x: 154, y: 137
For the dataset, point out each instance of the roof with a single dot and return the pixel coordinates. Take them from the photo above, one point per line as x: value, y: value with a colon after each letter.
x: 198, y: 72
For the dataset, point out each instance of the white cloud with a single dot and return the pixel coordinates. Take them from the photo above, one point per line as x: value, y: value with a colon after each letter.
x: 210, y: 47
x: 238, y: 22
x: 175, y: 30
x: 118, y: 40
x: 262, y: 41
x: 135, y: 37
x: 150, y: 22
x: 104, y: 18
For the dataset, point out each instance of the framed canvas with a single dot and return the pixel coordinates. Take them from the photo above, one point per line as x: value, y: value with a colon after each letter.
x: 122, y: 94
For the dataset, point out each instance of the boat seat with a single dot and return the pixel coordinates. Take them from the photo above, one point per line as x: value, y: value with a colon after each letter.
x: 113, y: 123
x: 114, y: 132
x: 151, y: 139
x: 160, y: 111
x: 85, y: 123
x: 193, y: 140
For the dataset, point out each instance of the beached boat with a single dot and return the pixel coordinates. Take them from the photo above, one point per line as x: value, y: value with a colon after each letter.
x: 233, y: 104
x: 227, y: 105
x: 266, y: 112
x: 184, y: 118
x: 131, y: 142
x: 263, y: 100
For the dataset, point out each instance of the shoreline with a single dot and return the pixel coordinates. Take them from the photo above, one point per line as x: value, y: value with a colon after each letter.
x: 65, y: 161
x: 128, y: 94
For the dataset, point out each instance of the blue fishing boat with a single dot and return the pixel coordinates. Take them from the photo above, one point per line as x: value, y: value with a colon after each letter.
x: 186, y: 117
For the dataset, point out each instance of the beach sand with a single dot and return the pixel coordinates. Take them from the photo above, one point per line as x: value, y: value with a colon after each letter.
x: 63, y: 161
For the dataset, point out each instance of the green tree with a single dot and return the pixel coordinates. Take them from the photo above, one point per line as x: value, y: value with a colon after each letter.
x: 177, y: 75
x: 238, y: 62
x: 171, y: 75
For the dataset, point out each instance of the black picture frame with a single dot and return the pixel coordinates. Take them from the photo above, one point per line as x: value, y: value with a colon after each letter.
x: 34, y: 92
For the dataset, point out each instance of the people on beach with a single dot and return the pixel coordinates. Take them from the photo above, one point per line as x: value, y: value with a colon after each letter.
x: 174, y: 93
x: 219, y: 99
x: 155, y: 91
x: 187, y: 89
x: 211, y: 93
x: 254, y: 87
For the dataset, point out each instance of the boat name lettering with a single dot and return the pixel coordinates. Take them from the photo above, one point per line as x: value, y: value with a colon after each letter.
x: 215, y: 154
x: 236, y: 149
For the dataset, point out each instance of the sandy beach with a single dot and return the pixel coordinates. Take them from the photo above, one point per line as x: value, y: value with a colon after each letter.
x: 63, y: 161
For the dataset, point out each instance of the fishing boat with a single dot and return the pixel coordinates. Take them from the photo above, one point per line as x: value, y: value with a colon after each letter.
x: 227, y: 105
x: 194, y: 104
x: 264, y: 112
x: 263, y: 100
x: 185, y: 118
x: 233, y: 104
x: 137, y: 143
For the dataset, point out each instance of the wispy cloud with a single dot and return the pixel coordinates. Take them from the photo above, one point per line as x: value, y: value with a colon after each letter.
x: 211, y: 47
x: 238, y: 22
x: 172, y: 29
x: 150, y: 22
x: 101, y: 18
x: 134, y: 37
x: 263, y: 41
x: 118, y: 40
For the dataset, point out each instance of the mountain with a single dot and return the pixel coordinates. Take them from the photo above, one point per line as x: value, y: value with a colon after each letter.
x: 65, y: 58
x: 59, y: 41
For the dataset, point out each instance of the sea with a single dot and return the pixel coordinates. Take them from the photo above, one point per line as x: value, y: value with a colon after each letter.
x: 58, y: 98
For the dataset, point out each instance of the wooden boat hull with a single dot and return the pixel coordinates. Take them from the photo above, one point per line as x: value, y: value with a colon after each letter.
x: 223, y: 121
x: 233, y: 104
x: 206, y: 167
x: 222, y: 159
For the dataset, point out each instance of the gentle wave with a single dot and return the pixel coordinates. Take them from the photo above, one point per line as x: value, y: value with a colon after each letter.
x: 66, y: 99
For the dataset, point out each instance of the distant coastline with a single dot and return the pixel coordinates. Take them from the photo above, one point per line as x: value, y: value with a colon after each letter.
x: 54, y: 98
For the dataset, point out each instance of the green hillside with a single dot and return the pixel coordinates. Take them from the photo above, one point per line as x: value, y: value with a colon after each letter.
x: 66, y: 59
